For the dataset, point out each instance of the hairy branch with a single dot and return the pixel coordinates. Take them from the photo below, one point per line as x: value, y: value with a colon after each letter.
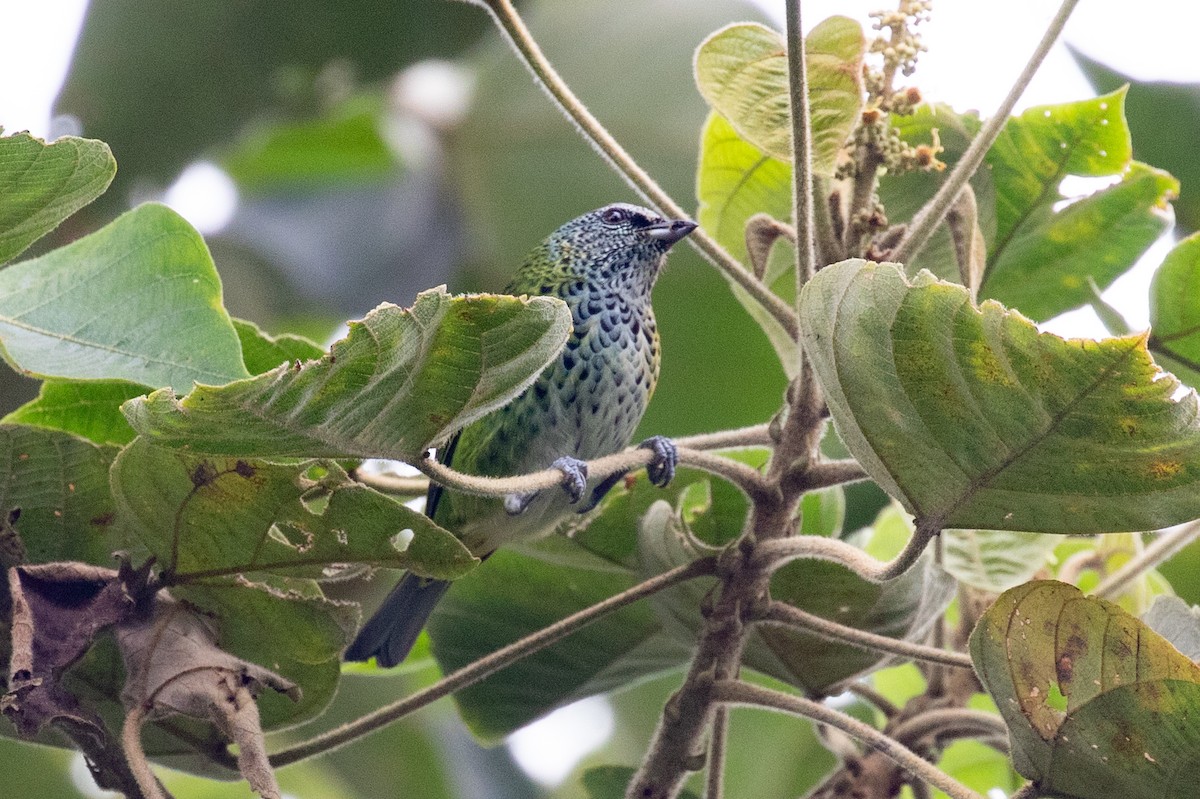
x: 714, y: 779
x: 139, y: 766
x: 485, y: 666
x: 741, y: 693
x: 932, y: 214
x: 395, y: 484
x: 802, y: 180
x: 775, y: 553
x: 527, y: 49
x: 741, y: 475
x: 782, y: 613
x: 949, y: 723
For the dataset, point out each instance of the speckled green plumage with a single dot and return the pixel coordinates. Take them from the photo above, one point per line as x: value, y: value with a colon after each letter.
x: 586, y: 404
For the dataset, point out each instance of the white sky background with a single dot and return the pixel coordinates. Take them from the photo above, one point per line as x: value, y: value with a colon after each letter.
x: 976, y: 48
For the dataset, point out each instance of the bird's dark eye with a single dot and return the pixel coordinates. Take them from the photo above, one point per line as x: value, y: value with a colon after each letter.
x: 613, y: 216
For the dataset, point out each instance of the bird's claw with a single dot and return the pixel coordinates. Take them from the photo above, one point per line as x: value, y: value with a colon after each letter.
x: 661, y: 467
x: 575, y: 474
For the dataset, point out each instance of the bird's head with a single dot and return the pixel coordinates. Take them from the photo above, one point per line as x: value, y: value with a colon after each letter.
x: 621, y: 246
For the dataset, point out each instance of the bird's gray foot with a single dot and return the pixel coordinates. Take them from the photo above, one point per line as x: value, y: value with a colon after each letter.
x: 661, y: 468
x: 574, y: 483
x: 574, y: 476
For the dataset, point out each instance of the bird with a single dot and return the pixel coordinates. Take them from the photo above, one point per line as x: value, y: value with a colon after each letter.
x: 587, y: 403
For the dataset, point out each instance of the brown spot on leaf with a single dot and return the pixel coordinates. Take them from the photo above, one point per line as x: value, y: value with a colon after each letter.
x: 1065, y: 668
x: 1165, y: 470
x: 244, y: 469
x: 103, y: 520
x: 203, y: 474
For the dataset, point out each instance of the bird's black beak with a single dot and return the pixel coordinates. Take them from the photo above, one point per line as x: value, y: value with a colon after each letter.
x: 671, y: 231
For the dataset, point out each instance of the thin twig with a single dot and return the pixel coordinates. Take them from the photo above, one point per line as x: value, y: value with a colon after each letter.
x: 754, y: 435
x: 490, y: 664
x: 527, y: 49
x: 714, y: 779
x: 802, y: 183
x: 736, y: 472
x: 394, y: 484
x: 135, y: 755
x: 934, y: 211
x: 782, y: 613
x: 948, y: 723
x: 1161, y: 549
x: 776, y: 552
x: 741, y: 693
x: 823, y: 474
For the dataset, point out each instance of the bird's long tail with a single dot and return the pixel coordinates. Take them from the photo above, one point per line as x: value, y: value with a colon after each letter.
x: 394, y: 628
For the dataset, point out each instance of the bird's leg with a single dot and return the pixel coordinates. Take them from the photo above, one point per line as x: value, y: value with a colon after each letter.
x: 574, y: 483
x: 661, y: 468
x: 600, y: 491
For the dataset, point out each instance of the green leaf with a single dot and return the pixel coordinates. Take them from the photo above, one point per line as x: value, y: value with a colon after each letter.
x: 1175, y: 311
x: 91, y: 409
x: 138, y: 300
x: 743, y: 74
x: 995, y: 560
x: 262, y: 352
x: 1040, y: 258
x: 904, y: 608
x: 735, y: 181
x: 57, y: 484
x: 538, y: 584
x: 823, y: 512
x: 971, y: 418
x: 401, y: 380
x: 1162, y: 116
x: 1098, y: 705
x: 345, y: 146
x: 536, y: 587
x: 1046, y: 266
x: 202, y: 516
x: 43, y: 184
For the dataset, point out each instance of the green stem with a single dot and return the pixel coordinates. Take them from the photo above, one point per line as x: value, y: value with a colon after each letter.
x: 485, y: 666
x: 527, y: 49
x: 740, y: 693
x: 932, y: 214
x: 802, y: 179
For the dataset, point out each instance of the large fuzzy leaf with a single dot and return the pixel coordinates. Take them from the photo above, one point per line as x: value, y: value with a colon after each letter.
x: 1043, y: 253
x: 42, y: 184
x: 1098, y: 705
x: 400, y: 381
x: 743, y: 74
x: 138, y: 300
x: 974, y: 419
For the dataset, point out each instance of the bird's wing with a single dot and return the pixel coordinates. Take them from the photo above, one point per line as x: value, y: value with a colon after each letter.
x: 445, y: 456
